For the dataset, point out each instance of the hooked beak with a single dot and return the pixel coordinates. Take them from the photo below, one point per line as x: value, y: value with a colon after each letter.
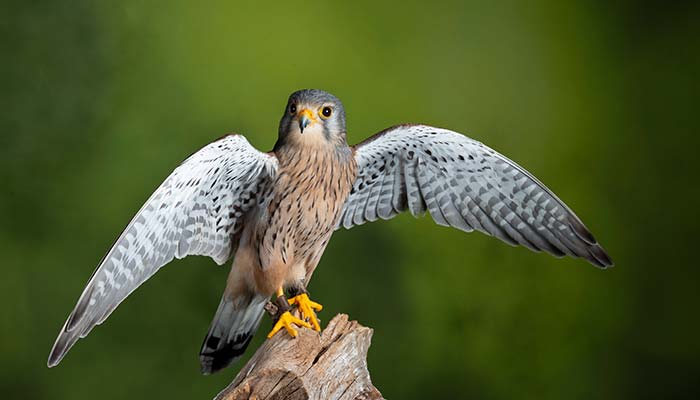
x: 305, y: 118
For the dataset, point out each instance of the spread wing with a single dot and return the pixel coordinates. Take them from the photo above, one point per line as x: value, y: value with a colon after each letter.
x: 197, y: 210
x: 464, y: 184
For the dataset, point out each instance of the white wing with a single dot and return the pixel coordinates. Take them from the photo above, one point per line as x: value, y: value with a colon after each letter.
x: 466, y: 185
x: 198, y: 210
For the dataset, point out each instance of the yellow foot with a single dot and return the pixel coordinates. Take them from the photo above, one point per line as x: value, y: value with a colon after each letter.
x: 287, y: 320
x: 307, y: 308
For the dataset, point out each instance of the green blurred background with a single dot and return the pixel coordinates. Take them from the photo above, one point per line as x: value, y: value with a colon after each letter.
x: 101, y: 100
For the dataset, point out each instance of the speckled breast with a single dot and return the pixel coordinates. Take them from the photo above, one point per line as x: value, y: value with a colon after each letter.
x: 309, y: 197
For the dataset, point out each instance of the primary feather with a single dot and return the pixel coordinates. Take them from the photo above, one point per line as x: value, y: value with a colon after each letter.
x: 197, y: 210
x: 464, y: 184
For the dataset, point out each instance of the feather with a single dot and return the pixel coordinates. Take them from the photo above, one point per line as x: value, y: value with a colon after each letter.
x: 466, y: 185
x: 195, y: 211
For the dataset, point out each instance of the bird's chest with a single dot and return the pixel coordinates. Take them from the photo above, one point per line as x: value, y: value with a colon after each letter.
x: 307, y: 202
x: 312, y: 202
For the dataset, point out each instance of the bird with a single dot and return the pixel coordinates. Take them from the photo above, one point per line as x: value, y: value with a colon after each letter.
x: 274, y: 213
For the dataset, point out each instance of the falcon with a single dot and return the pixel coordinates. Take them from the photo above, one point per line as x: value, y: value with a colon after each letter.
x: 275, y: 212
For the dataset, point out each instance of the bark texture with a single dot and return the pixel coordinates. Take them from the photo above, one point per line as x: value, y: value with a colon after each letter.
x: 328, y: 366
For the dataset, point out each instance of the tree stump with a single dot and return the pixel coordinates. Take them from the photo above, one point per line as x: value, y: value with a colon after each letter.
x: 326, y: 366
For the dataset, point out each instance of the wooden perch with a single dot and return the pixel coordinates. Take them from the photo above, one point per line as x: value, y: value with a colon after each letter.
x: 327, y: 366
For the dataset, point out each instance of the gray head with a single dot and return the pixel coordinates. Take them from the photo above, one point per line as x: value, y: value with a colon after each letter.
x: 313, y: 116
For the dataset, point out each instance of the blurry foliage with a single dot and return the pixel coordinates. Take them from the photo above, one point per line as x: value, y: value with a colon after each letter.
x: 101, y: 100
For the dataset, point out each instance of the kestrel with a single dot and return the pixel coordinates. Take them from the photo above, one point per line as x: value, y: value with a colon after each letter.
x: 275, y: 212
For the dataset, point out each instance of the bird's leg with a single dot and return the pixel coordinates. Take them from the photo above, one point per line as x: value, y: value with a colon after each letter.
x: 307, y: 308
x: 272, y: 310
x: 285, y: 320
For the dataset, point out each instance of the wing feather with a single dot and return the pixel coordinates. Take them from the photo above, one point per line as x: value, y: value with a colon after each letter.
x: 385, y: 208
x: 197, y: 210
x: 464, y: 184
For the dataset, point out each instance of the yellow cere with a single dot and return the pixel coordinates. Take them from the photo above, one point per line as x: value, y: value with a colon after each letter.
x: 310, y: 115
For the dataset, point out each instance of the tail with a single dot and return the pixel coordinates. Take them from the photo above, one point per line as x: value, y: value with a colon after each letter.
x: 231, y: 331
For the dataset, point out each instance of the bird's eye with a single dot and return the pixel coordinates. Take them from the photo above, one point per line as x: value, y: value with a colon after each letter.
x: 293, y: 108
x: 326, y: 111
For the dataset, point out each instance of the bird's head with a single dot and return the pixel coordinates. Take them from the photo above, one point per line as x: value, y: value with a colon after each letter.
x: 313, y: 116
